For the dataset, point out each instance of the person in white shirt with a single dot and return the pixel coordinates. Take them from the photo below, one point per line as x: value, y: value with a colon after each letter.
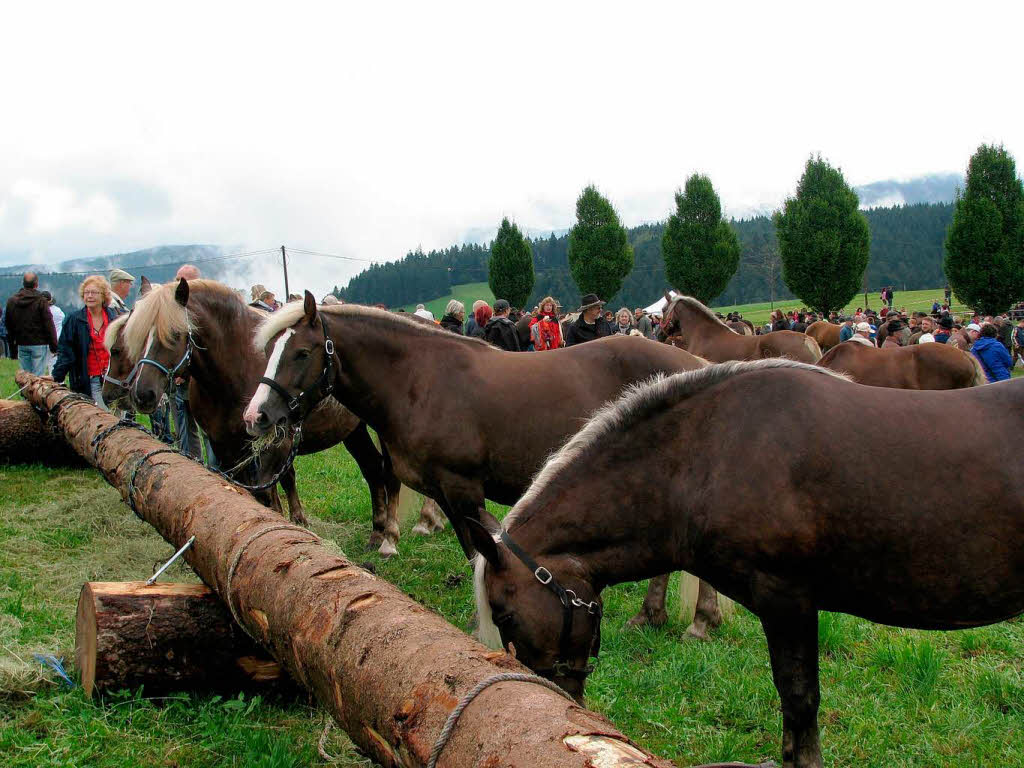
x: 862, y: 335
x: 423, y: 312
x: 58, y: 322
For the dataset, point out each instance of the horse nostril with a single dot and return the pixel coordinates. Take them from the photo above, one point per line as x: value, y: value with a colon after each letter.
x: 261, y: 418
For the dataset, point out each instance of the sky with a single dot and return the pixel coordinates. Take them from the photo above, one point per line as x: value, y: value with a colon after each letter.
x: 368, y: 130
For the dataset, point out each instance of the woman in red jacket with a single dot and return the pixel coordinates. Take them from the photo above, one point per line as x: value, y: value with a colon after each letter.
x: 545, y: 331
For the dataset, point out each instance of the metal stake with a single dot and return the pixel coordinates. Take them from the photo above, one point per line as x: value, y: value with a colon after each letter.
x: 169, y: 563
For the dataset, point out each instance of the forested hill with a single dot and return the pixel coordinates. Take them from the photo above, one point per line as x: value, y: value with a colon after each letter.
x: 906, y: 252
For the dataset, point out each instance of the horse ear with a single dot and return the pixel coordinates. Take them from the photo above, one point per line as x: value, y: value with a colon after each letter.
x: 482, y: 533
x: 668, y: 295
x: 145, y: 286
x: 309, y: 305
x: 181, y: 292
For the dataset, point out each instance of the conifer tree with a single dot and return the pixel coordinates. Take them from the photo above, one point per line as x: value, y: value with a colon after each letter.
x: 823, y: 239
x: 510, y: 268
x: 600, y: 256
x: 985, y: 243
x: 700, y: 249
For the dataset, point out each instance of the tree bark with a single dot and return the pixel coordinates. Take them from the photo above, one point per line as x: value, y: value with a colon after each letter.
x: 387, y: 669
x: 26, y: 438
x: 165, y: 637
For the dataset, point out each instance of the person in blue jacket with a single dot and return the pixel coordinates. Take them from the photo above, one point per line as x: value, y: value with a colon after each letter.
x: 994, y: 358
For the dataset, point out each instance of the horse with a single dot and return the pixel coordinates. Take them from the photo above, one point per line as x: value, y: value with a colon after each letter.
x: 825, y: 333
x: 918, y: 366
x: 480, y: 421
x: 701, y: 333
x: 202, y: 330
x: 791, y: 537
x: 740, y: 327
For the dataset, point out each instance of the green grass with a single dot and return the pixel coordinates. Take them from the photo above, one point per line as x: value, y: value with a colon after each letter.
x: 467, y: 293
x: 890, y: 697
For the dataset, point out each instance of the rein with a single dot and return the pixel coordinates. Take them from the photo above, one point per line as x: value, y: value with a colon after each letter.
x: 294, y: 403
x: 569, y: 600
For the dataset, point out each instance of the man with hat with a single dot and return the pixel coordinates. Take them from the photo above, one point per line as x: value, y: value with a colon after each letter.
x: 589, y: 325
x: 500, y: 331
x: 121, y: 285
x: 945, y: 329
x: 862, y: 334
x: 848, y: 330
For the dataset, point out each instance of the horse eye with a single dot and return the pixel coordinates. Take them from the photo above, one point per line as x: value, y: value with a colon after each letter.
x: 302, y: 354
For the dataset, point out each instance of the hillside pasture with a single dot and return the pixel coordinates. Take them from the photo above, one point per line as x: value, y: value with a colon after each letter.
x: 890, y: 697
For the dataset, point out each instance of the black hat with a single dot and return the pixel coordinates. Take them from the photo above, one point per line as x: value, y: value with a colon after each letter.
x: 946, y: 322
x: 501, y: 305
x: 588, y: 301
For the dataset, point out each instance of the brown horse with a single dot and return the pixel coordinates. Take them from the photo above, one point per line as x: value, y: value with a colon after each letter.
x: 918, y: 366
x: 787, y: 538
x: 704, y: 335
x: 740, y: 327
x: 214, y: 338
x: 825, y: 333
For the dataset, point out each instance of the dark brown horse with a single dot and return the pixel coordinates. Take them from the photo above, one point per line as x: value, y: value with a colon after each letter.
x: 789, y: 537
x: 214, y: 338
x: 704, y: 335
x: 918, y: 366
x: 825, y: 333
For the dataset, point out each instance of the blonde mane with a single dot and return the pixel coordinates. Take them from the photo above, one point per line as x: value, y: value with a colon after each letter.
x: 698, y: 306
x: 113, y: 329
x: 290, y: 314
x: 160, y: 312
x: 640, y: 401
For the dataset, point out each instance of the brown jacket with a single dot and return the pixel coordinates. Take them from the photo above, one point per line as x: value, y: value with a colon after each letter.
x: 28, y: 320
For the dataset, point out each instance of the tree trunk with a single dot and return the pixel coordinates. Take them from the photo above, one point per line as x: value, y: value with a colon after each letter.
x: 389, y: 670
x: 26, y: 438
x: 164, y: 637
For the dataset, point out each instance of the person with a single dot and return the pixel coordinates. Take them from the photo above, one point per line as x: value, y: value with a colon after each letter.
x: 478, y: 322
x: 589, y: 325
x: 454, y: 316
x: 188, y: 271
x: 800, y: 326
x: 545, y: 331
x: 973, y: 331
x: 329, y: 299
x: 623, y: 322
x: 1018, y: 340
x: 893, y: 335
x: 889, y: 296
x: 264, y: 299
x: 862, y: 334
x: 58, y: 323
x: 423, y: 312
x: 642, y: 322
x: 992, y: 355
x: 1005, y: 330
x: 945, y: 329
x: 121, y: 286
x: 500, y: 330
x: 30, y: 330
x: 948, y: 295
x: 4, y: 350
x: 779, y: 321
x: 848, y: 329
x: 81, y: 356
x: 925, y: 328
x: 609, y: 317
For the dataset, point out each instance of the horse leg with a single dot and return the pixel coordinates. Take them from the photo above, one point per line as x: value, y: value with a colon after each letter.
x: 295, y: 511
x: 652, y: 612
x: 383, y: 486
x: 707, y: 616
x: 793, y: 648
x: 431, y: 518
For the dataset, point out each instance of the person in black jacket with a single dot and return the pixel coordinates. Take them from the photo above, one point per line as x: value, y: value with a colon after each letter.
x: 454, y: 316
x: 589, y: 325
x: 81, y: 355
x: 500, y: 330
x: 30, y: 331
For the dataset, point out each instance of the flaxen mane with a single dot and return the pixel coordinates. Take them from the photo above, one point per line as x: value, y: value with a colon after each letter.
x: 698, y: 306
x: 290, y: 314
x: 113, y: 329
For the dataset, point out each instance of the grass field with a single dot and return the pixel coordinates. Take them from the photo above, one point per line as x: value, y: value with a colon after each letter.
x: 467, y: 293
x: 890, y: 697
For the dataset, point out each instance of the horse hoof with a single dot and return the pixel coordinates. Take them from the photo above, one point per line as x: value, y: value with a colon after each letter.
x: 693, y: 632
x: 300, y: 520
x: 420, y: 529
x: 375, y: 540
x: 387, y: 549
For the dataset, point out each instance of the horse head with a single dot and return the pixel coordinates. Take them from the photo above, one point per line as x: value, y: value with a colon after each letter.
x: 167, y: 350
x: 301, y: 365
x: 671, y: 320
x: 117, y: 379
x: 548, y: 615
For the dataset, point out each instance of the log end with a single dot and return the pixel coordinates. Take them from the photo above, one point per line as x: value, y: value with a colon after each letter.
x: 85, y: 638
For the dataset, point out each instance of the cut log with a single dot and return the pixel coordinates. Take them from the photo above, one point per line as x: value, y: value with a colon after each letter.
x: 387, y: 669
x: 165, y: 637
x: 26, y: 438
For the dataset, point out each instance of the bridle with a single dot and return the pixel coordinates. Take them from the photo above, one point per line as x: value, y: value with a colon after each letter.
x: 323, y: 384
x: 170, y: 373
x: 562, y: 667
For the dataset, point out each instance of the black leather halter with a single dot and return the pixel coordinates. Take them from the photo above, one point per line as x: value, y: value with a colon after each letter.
x: 322, y: 386
x: 562, y: 667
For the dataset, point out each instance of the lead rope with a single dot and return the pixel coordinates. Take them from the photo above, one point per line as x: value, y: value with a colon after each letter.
x: 465, y: 701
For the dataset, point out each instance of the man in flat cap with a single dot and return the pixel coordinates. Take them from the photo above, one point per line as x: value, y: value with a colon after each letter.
x: 121, y: 284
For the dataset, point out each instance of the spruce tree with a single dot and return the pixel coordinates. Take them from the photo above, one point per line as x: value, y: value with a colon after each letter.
x: 823, y: 239
x: 510, y: 268
x: 700, y: 249
x: 600, y: 257
x: 985, y: 243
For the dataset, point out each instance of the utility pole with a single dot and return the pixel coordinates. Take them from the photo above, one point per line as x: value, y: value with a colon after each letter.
x: 284, y: 265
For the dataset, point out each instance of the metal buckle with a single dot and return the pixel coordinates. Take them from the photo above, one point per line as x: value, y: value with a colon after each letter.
x: 329, y: 346
x: 541, y: 578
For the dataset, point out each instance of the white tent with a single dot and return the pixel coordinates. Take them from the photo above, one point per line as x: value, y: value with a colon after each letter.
x: 659, y: 306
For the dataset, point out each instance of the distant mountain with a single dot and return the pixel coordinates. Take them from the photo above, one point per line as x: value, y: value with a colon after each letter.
x: 933, y: 188
x: 158, y: 264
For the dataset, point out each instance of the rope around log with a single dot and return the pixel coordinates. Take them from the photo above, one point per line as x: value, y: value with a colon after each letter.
x: 465, y: 701
x: 238, y: 557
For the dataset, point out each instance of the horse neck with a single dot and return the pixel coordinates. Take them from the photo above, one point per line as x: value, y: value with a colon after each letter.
x: 697, y: 325
x: 225, y: 366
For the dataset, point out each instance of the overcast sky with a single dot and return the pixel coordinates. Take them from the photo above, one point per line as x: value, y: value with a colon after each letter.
x: 368, y: 129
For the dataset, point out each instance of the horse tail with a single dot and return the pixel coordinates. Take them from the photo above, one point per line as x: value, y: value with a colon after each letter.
x: 979, y: 376
x: 812, y: 347
x: 688, y: 585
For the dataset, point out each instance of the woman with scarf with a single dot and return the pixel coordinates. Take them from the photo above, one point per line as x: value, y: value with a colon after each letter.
x: 545, y: 331
x: 80, y: 351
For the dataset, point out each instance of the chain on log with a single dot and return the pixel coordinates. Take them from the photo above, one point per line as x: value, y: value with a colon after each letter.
x: 387, y: 669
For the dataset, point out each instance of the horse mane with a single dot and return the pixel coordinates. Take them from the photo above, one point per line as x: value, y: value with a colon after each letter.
x: 160, y: 312
x: 638, y: 403
x: 113, y: 329
x: 290, y: 314
x: 698, y: 306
